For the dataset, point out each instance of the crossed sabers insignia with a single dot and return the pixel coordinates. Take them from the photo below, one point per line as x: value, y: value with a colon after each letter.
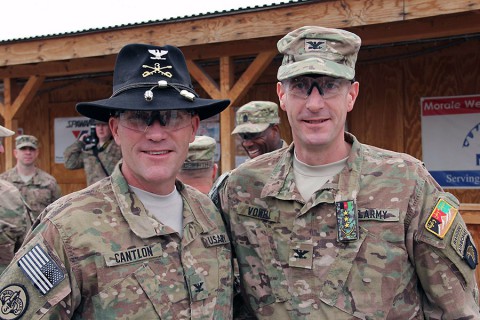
x: 156, y: 69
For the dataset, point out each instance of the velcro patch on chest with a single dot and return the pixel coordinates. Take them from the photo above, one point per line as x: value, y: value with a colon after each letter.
x: 260, y: 213
x: 347, y: 221
x: 301, y: 255
x: 215, y: 240
x: 132, y: 255
x: 441, y: 218
x: 382, y: 215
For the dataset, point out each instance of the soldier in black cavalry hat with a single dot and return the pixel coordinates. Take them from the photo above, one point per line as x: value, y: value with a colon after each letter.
x: 139, y: 243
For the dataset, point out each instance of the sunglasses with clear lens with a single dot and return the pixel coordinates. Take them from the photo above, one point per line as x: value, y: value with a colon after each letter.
x: 302, y: 87
x: 141, y: 120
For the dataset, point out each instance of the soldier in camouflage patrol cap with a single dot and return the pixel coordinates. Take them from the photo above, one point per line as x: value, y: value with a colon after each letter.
x: 257, y: 126
x: 14, y: 216
x: 139, y: 244
x: 98, y: 159
x: 199, y: 169
x: 37, y: 187
x: 331, y: 228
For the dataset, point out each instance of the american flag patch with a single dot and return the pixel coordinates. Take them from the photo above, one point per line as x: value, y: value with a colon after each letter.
x: 40, y: 268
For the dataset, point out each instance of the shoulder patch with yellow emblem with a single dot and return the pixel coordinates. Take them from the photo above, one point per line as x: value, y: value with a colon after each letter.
x: 441, y: 218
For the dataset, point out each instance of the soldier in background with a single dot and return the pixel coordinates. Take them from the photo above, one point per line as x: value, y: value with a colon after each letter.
x: 199, y: 169
x: 140, y: 244
x: 257, y: 126
x: 331, y: 228
x: 97, y: 154
x: 37, y: 187
x: 14, y: 216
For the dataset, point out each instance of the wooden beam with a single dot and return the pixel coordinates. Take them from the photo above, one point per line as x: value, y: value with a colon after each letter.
x: 227, y: 143
x: 273, y: 21
x: 250, y: 76
x: 26, y: 95
x: 205, y: 81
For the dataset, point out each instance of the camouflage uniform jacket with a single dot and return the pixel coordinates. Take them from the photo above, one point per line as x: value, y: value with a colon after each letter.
x: 41, y: 190
x: 76, y: 157
x: 293, y: 267
x: 14, y: 221
x: 109, y: 259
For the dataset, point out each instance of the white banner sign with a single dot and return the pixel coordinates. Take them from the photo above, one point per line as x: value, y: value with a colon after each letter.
x: 66, y: 131
x: 451, y: 140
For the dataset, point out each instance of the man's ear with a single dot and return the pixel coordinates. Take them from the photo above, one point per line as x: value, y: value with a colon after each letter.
x: 281, y: 95
x: 352, y: 95
x: 113, y: 125
x: 195, y: 125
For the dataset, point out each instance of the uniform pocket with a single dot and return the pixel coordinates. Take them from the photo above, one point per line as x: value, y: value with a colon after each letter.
x: 138, y: 294
x: 375, y: 269
x: 263, y: 277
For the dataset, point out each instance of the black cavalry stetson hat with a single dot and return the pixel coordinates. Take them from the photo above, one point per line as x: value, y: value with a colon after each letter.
x: 148, y: 77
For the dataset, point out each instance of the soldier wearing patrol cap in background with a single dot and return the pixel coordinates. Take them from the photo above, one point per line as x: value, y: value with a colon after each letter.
x: 14, y: 216
x: 37, y: 187
x: 139, y: 244
x: 331, y: 228
x: 257, y: 126
x: 96, y: 153
x: 199, y: 169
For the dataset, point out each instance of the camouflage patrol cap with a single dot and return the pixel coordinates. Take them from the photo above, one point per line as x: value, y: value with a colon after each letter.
x: 200, y: 153
x: 318, y: 50
x: 256, y: 116
x: 26, y: 141
x: 4, y: 132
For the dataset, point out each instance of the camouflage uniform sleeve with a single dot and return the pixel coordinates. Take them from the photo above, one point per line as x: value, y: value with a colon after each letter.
x: 72, y: 156
x: 241, y: 310
x: 444, y: 254
x: 14, y: 223
x: 57, y: 192
x: 39, y: 282
x: 218, y: 196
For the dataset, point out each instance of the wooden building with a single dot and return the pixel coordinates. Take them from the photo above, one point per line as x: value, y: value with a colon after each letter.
x: 411, y: 49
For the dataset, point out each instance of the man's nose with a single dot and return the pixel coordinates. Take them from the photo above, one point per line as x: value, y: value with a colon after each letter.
x: 315, y: 101
x: 247, y: 143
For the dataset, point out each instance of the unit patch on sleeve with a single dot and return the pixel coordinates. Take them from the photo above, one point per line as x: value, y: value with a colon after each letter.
x: 441, y: 218
x: 470, y: 255
x: 459, y: 237
x: 13, y: 301
x: 41, y: 269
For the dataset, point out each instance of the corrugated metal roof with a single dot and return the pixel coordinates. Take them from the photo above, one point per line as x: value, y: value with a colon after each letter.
x: 164, y: 21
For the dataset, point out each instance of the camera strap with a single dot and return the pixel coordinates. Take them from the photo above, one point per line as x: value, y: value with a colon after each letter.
x: 95, y: 152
